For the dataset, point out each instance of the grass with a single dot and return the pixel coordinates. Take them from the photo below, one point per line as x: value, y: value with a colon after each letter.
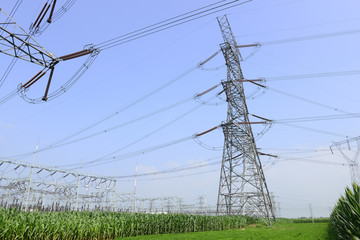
x: 283, y: 231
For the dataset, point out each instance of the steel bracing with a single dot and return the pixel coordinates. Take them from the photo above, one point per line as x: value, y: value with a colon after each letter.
x: 242, y: 188
x: 17, y: 43
x: 352, y: 160
x: 29, y: 187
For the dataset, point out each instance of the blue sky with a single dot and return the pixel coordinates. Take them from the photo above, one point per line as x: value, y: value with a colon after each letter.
x: 122, y: 75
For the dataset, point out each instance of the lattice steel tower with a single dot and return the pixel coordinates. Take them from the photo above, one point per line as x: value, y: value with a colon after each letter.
x: 242, y: 187
x: 352, y: 160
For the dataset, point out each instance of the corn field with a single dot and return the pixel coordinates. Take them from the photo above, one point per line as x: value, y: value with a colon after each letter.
x: 345, y: 218
x: 15, y: 224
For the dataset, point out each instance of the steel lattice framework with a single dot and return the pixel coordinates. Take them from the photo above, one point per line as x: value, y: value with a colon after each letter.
x: 18, y: 43
x: 354, y: 160
x: 29, y: 187
x: 242, y: 187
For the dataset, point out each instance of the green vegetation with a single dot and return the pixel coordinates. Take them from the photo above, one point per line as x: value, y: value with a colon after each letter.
x: 282, y: 231
x: 345, y: 218
x: 309, y: 220
x: 15, y: 224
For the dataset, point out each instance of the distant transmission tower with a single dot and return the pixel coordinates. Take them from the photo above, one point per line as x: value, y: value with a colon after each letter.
x: 242, y: 187
x: 353, y: 161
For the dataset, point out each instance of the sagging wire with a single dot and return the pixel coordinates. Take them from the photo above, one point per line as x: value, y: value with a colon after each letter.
x: 116, y: 158
x: 64, y: 141
x: 213, y: 68
x: 109, y: 158
x: 9, y: 96
x: 171, y: 22
x: 270, y: 164
x: 150, y: 133
x: 13, y: 61
x: 12, y: 13
x: 259, y: 91
x: 64, y: 8
x: 48, y: 64
x: 7, y: 71
x: 256, y: 48
x: 197, y: 140
x: 174, y: 176
x: 35, y: 28
x: 172, y: 170
x: 89, y: 50
x: 208, y: 147
x: 201, y: 64
x: 197, y: 97
x: 267, y: 127
x: 207, y: 102
x: 39, y: 25
x: 310, y: 159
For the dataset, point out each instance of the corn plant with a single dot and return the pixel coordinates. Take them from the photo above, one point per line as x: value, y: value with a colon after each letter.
x: 15, y: 224
x: 345, y: 218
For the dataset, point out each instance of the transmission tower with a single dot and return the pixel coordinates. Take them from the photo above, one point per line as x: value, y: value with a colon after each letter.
x: 242, y: 187
x: 19, y: 44
x: 353, y: 161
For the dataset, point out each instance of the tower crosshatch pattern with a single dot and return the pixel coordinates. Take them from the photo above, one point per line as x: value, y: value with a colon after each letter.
x: 242, y: 188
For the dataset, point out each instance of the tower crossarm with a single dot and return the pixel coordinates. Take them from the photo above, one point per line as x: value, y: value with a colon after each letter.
x: 352, y: 160
x: 19, y: 44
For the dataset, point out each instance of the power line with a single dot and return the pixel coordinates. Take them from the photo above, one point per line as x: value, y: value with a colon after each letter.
x: 176, y: 176
x: 296, y: 149
x: 10, y: 67
x: 35, y: 29
x: 286, y: 158
x: 63, y: 141
x: 314, y: 130
x: 110, y: 159
x: 314, y: 75
x: 149, y: 134
x: 312, y: 37
x: 300, y: 27
x: 169, y: 23
x: 155, y: 24
x: 172, y: 170
x: 120, y: 125
x: 318, y: 118
x: 8, y: 96
x: 308, y: 100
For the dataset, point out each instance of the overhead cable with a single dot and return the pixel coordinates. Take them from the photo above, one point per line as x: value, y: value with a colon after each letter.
x: 64, y: 141
x: 312, y: 37
x: 150, y: 133
x: 171, y: 22
x: 177, y: 169
x: 318, y: 118
x: 285, y: 158
x: 314, y: 75
x: 114, y: 158
x: 128, y: 155
x: 315, y: 130
x: 308, y: 100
